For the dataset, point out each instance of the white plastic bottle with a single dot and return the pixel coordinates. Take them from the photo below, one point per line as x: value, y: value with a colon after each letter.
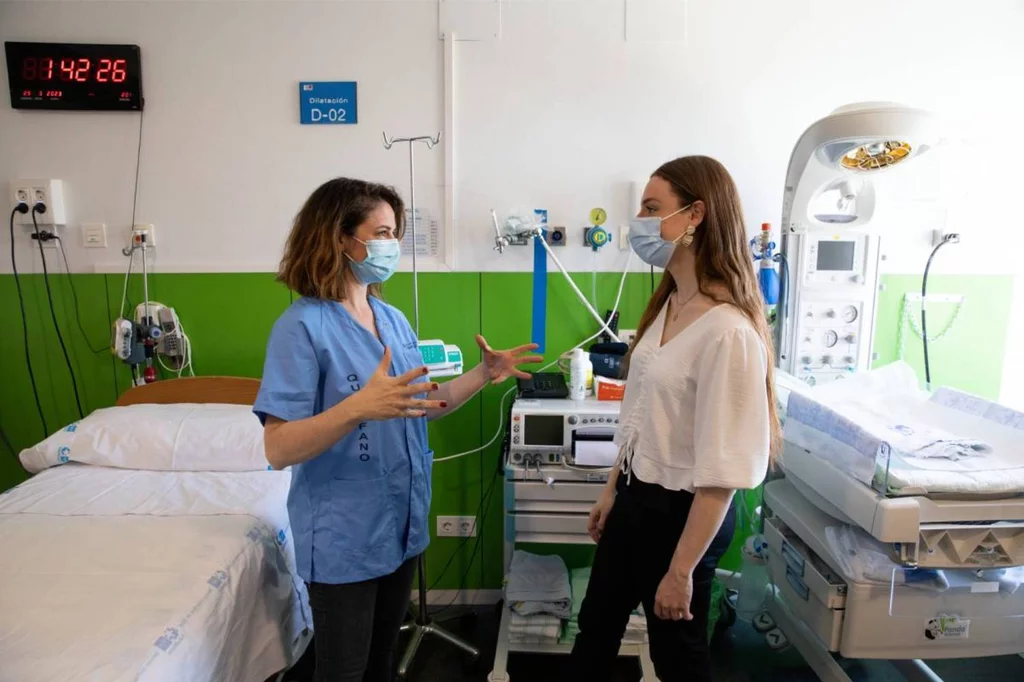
x: 579, y: 364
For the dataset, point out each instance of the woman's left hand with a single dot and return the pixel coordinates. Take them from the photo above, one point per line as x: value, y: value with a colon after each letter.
x: 502, y: 364
x: 672, y: 602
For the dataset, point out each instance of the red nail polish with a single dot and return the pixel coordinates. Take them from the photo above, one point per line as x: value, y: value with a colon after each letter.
x: 444, y: 404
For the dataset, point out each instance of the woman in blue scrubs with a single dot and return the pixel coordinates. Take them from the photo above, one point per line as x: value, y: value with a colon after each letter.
x: 345, y: 400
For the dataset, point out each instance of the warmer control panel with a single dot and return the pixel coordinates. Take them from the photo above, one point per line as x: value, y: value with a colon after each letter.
x: 827, y: 331
x: 829, y: 339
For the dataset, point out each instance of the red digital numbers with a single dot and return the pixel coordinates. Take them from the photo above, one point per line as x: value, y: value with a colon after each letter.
x: 103, y: 71
x: 67, y: 69
x: 82, y: 70
x: 79, y: 70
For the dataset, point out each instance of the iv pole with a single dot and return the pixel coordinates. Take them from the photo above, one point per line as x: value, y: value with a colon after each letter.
x: 430, y: 142
x: 421, y: 625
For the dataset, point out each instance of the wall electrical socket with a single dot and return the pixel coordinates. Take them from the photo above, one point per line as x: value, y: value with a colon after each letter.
x: 938, y: 235
x: 456, y: 526
x: 49, y: 192
x: 148, y: 230
x: 623, y: 237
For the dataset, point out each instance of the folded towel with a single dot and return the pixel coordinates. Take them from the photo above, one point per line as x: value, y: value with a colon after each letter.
x: 542, y: 627
x: 538, y: 584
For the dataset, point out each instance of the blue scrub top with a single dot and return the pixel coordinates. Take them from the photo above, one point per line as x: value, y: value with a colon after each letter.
x: 359, y: 510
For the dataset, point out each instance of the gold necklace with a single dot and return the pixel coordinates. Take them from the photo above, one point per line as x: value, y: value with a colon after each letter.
x: 680, y: 306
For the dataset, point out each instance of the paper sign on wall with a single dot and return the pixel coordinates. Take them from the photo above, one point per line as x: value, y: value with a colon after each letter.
x: 327, y: 103
x: 427, y: 234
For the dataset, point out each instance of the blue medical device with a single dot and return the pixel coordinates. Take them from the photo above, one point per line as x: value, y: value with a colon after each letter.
x: 763, y: 250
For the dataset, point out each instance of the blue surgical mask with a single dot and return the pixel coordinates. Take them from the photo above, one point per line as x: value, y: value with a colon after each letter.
x: 382, y: 256
x: 646, y: 240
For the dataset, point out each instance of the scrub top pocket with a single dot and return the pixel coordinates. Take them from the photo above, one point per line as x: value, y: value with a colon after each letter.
x: 357, y: 518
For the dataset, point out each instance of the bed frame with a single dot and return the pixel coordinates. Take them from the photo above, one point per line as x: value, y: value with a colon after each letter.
x: 224, y: 390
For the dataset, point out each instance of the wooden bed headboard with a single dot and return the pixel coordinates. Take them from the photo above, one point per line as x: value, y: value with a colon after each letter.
x: 227, y: 390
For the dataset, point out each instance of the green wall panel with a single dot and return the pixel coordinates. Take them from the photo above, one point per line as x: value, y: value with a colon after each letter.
x: 229, y: 317
x: 94, y: 371
x: 970, y: 356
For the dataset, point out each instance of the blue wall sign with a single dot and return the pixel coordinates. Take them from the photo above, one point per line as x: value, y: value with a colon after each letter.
x: 327, y: 103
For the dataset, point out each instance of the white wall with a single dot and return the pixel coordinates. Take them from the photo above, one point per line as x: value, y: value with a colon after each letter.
x: 561, y: 111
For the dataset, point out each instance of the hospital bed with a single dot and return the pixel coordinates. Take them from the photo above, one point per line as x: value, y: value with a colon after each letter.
x: 882, y: 546
x: 152, y: 573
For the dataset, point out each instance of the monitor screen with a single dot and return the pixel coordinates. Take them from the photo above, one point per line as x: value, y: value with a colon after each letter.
x: 836, y: 255
x: 544, y: 429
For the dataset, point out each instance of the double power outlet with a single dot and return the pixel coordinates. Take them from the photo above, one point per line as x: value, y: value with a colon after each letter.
x: 456, y: 526
x: 32, y: 192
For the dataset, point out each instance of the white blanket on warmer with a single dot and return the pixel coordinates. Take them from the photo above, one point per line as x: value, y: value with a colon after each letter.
x: 882, y: 430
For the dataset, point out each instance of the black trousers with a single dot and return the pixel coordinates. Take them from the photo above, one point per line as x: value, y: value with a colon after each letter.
x: 636, y: 547
x: 355, y: 626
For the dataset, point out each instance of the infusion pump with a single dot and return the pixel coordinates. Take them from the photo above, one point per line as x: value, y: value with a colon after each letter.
x: 829, y: 326
x: 557, y: 431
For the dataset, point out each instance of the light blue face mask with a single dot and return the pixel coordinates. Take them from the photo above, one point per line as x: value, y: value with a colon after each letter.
x: 646, y: 240
x: 382, y: 256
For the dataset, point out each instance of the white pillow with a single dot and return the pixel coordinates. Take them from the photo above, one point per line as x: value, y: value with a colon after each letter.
x: 178, y: 437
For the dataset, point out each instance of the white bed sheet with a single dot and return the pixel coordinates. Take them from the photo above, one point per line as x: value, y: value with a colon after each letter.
x: 113, y: 575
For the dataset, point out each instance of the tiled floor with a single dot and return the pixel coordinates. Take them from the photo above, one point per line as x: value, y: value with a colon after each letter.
x: 740, y: 655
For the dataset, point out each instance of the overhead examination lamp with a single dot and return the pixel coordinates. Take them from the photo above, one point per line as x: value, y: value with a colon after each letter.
x: 838, y: 156
x: 828, y: 239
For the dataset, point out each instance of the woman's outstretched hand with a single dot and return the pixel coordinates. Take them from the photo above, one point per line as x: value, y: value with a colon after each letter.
x: 386, y: 397
x: 502, y: 364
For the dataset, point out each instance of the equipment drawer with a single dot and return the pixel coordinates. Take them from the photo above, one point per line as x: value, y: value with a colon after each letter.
x: 812, y: 592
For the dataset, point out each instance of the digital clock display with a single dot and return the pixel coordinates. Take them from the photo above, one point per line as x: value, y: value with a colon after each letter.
x: 69, y: 76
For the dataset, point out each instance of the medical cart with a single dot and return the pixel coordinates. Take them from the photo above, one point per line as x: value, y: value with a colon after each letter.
x: 549, y: 503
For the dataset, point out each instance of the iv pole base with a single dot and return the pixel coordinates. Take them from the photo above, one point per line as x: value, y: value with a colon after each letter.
x: 423, y: 626
x: 421, y: 631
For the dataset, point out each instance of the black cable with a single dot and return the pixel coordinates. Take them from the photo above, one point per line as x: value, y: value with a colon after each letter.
x: 483, y: 499
x: 485, y: 503
x: 138, y: 163
x: 946, y: 239
x: 781, y: 309
x: 53, y: 313
x: 7, y: 443
x: 482, y: 511
x: 74, y: 298
x: 24, y: 326
x: 652, y: 280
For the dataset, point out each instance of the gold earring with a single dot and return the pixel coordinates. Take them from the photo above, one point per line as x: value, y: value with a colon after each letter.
x: 688, y: 235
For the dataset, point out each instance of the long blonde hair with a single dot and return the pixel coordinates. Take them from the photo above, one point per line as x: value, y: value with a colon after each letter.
x: 722, y: 259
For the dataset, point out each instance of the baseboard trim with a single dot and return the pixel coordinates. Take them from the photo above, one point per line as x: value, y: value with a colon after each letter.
x: 460, y: 597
